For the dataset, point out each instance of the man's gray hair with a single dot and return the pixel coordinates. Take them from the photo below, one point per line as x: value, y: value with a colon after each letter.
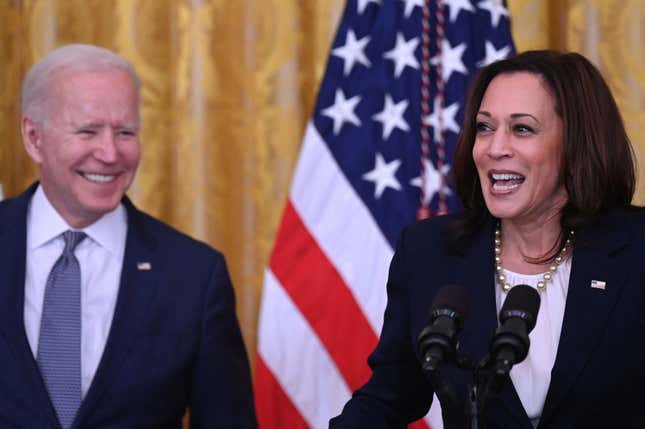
x: 73, y: 57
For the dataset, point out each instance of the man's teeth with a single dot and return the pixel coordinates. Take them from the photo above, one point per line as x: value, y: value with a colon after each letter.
x: 506, y: 176
x: 100, y: 178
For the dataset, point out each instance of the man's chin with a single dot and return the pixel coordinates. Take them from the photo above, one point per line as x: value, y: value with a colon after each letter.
x: 91, y: 212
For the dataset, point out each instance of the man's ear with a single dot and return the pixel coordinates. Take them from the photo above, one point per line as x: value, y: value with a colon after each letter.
x: 32, y: 138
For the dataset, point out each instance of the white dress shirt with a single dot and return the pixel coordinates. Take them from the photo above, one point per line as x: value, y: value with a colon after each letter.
x: 100, y: 256
x: 532, y: 376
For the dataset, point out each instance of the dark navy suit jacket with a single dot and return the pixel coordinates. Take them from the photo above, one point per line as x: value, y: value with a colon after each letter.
x: 598, y: 379
x: 174, y: 340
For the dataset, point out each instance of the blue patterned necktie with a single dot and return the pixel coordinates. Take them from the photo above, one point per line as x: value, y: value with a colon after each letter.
x: 59, y: 344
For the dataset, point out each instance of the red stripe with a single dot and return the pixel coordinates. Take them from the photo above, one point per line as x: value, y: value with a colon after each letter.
x: 322, y: 297
x: 419, y: 424
x: 272, y: 406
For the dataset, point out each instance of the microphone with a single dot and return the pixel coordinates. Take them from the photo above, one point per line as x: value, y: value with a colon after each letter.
x: 517, y: 319
x: 437, y: 342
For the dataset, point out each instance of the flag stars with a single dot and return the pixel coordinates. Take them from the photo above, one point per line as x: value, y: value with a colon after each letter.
x: 383, y: 175
x: 352, y: 51
x: 362, y: 4
x: 451, y: 59
x: 493, y: 54
x: 410, y: 5
x: 495, y: 8
x: 448, y: 121
x: 403, y: 54
x: 433, y: 180
x: 457, y: 6
x: 342, y: 111
x: 392, y: 116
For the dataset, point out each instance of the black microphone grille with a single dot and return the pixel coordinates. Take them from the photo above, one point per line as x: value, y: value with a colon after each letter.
x: 452, y: 297
x: 522, y: 301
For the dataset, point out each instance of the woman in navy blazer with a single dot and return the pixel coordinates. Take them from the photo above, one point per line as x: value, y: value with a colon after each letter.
x: 546, y: 175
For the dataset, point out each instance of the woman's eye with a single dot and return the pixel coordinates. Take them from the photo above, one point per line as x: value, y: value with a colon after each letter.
x: 523, y: 129
x: 483, y: 126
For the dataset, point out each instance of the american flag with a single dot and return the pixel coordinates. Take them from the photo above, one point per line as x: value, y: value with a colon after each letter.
x: 376, y: 155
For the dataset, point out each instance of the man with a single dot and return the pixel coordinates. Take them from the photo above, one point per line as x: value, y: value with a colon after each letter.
x: 111, y: 319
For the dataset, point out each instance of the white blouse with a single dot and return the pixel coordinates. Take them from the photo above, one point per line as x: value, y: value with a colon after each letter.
x: 532, y: 376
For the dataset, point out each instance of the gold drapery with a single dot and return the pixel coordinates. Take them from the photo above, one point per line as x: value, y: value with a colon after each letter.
x: 229, y: 85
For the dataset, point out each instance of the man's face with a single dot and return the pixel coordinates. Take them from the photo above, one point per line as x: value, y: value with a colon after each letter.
x: 87, y: 149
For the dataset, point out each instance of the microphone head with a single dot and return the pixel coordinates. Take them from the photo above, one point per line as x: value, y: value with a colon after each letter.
x: 452, y: 301
x: 524, y: 302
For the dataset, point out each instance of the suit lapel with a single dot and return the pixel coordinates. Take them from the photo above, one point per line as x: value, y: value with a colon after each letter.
x: 136, y: 292
x: 13, y: 245
x: 476, y: 272
x: 596, y: 256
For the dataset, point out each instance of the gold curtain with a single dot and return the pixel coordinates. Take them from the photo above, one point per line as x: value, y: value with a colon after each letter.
x: 229, y: 86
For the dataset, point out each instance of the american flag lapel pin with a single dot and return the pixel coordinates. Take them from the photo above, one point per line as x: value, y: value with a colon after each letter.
x: 598, y: 284
x: 144, y: 266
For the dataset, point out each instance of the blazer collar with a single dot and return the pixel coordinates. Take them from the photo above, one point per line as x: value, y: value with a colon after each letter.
x: 139, y: 275
x: 13, y: 245
x: 137, y: 290
x: 597, y: 255
x: 476, y: 273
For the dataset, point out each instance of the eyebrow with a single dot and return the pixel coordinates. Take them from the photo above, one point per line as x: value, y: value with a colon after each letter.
x: 94, y: 125
x: 513, y: 115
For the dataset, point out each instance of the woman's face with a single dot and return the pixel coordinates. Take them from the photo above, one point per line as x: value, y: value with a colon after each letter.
x: 518, y: 149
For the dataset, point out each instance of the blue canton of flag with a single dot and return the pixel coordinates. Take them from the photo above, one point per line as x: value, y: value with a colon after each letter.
x: 369, y: 109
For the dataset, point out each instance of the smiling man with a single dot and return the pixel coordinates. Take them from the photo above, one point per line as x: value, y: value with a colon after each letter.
x: 112, y: 318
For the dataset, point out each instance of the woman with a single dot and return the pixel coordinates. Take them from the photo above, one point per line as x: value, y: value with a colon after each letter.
x: 546, y: 174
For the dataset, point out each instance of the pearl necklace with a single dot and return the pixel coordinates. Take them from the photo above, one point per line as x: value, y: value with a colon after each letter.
x: 548, y: 276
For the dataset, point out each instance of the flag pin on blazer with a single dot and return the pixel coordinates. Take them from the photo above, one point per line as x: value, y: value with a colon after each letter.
x: 146, y: 266
x: 598, y: 284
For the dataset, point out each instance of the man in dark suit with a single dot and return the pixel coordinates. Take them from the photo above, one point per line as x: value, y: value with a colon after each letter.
x: 111, y: 319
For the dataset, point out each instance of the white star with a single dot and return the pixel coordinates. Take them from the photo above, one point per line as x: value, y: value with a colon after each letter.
x: 410, y: 4
x: 403, y: 54
x: 496, y: 9
x: 362, y: 4
x: 433, y: 181
x: 343, y: 111
x: 447, y: 119
x: 493, y: 54
x: 352, y: 51
x: 451, y: 59
x: 456, y: 6
x: 383, y: 175
x: 392, y: 116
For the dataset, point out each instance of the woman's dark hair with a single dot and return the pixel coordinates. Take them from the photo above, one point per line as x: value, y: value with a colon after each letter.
x: 598, y: 160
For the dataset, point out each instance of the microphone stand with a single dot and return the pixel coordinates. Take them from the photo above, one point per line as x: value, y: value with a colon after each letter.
x: 489, y: 377
x: 450, y: 411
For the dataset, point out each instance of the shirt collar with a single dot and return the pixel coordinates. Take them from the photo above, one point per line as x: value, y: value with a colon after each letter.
x: 44, y: 224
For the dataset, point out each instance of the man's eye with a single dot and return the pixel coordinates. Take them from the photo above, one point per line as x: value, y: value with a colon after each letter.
x: 86, y: 132
x: 126, y: 133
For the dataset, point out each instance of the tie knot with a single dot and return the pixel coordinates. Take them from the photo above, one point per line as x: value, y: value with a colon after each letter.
x: 72, y: 238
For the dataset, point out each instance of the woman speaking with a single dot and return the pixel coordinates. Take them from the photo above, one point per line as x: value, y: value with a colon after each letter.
x: 546, y: 175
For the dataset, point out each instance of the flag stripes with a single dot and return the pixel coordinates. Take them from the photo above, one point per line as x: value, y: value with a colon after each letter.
x: 361, y: 175
x: 347, y: 336
x: 279, y: 412
x: 298, y: 360
x: 342, y: 226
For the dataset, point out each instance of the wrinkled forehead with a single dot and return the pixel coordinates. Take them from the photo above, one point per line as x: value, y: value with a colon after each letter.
x: 108, y: 86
